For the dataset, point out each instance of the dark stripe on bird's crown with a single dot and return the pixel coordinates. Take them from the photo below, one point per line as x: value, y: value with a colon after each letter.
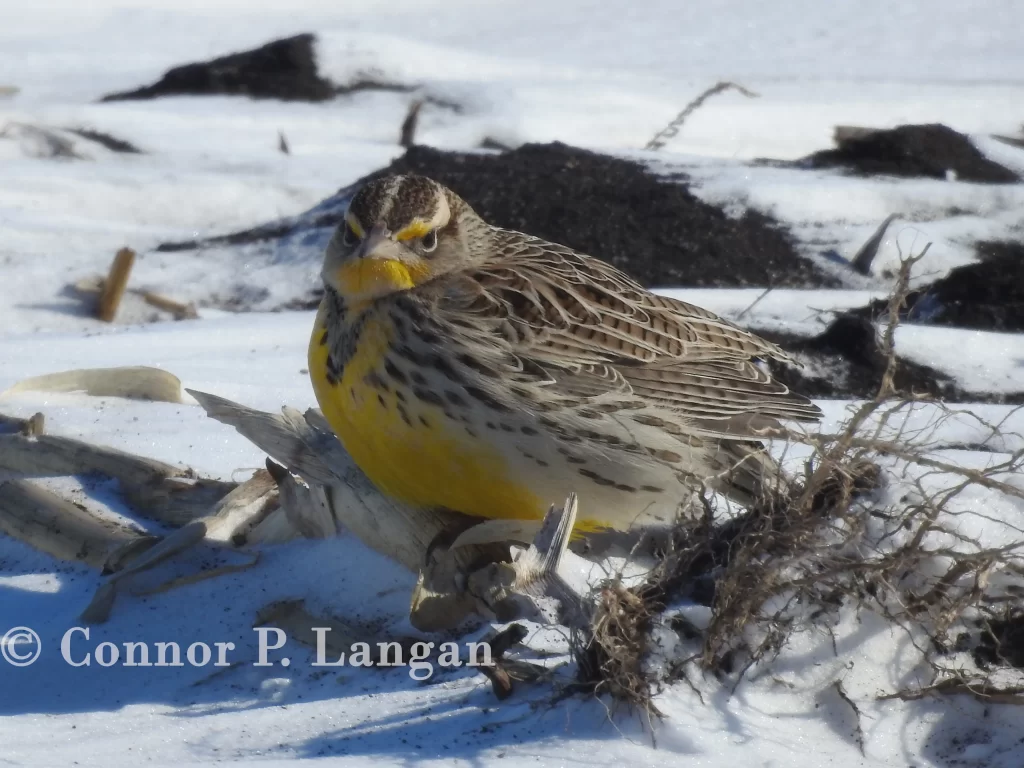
x: 396, y: 201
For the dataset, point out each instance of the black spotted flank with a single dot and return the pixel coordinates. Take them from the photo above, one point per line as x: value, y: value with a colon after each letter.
x: 334, y: 371
x: 669, y: 456
x: 455, y: 398
x: 395, y: 372
x: 596, y: 477
x: 487, y: 399
x: 404, y: 414
x: 375, y: 380
x: 471, y: 362
x: 441, y: 363
x: 428, y: 396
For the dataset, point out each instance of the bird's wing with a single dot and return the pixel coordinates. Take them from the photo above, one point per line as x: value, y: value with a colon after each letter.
x: 590, y: 329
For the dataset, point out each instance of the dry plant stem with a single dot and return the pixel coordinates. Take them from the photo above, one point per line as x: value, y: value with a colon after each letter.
x: 176, y: 308
x: 92, y: 287
x: 408, y: 134
x: 841, y: 446
x: 865, y: 256
x: 979, y: 689
x: 669, y: 132
x: 195, y: 578
x: 114, y: 287
x: 98, y: 610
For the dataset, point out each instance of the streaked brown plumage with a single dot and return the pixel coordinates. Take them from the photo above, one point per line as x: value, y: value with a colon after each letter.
x: 538, y: 368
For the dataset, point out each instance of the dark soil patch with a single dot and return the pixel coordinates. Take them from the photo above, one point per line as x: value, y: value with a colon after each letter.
x: 112, y: 143
x: 283, y: 69
x: 653, y: 228
x: 649, y: 226
x: 987, y: 295
x: 914, y: 151
x: 846, y: 361
x: 851, y: 364
x: 1001, y: 642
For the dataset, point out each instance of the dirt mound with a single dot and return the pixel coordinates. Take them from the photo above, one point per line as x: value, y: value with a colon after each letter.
x: 283, y: 69
x: 845, y: 361
x: 986, y: 295
x: 650, y: 226
x: 912, y: 150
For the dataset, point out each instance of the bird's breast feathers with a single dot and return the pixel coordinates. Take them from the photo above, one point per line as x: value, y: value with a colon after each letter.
x: 400, y: 434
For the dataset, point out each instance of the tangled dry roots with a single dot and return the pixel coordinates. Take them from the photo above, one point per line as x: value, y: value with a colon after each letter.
x: 830, y: 542
x: 610, y: 657
x: 735, y: 567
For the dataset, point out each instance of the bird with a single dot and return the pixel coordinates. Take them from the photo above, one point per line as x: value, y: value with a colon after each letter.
x: 487, y: 372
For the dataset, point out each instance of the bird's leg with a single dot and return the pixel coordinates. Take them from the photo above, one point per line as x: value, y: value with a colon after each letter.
x: 494, y: 584
x: 526, y: 587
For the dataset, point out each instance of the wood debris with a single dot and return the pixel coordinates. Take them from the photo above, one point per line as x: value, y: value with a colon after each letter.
x: 41, y: 519
x: 90, y: 288
x: 311, y: 488
x: 408, y: 133
x: 116, y: 282
x: 134, y: 382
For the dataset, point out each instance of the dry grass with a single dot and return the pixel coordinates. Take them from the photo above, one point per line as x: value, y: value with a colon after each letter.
x: 670, y: 131
x: 829, y: 544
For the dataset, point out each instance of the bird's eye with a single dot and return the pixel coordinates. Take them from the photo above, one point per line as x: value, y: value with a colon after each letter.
x: 429, y: 241
x: 349, y: 236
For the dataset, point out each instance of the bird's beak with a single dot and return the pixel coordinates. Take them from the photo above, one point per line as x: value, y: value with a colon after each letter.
x: 377, y: 245
x: 377, y: 266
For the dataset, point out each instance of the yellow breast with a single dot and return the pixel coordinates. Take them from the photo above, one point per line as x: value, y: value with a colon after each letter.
x: 410, y: 449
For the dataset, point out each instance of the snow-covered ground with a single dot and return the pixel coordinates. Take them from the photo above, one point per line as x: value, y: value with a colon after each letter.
x: 598, y: 75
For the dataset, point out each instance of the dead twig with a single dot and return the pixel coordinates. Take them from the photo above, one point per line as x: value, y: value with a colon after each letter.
x: 114, y: 287
x: 669, y: 132
x: 412, y: 117
x: 865, y: 256
x: 979, y: 689
x: 44, y: 521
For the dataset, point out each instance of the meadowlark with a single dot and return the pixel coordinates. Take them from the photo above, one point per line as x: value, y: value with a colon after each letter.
x: 489, y: 372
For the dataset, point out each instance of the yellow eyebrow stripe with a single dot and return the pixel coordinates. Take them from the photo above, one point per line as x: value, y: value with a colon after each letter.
x: 417, y: 229
x: 356, y: 227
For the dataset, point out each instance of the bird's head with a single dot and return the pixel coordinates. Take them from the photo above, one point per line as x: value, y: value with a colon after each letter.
x: 398, y: 232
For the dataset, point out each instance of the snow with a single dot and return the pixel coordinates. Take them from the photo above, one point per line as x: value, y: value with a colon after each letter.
x: 593, y: 74
x: 548, y: 71
x: 245, y: 713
